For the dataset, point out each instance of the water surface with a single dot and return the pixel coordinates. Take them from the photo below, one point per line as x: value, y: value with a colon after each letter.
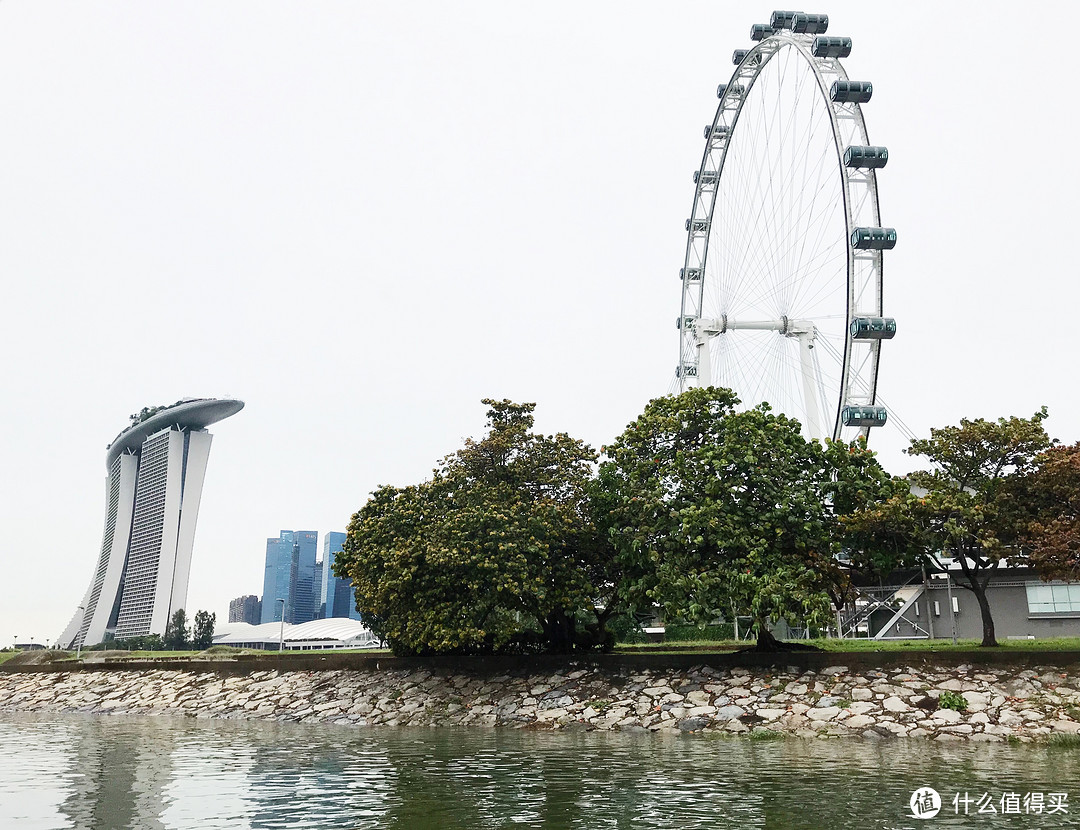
x: 146, y: 773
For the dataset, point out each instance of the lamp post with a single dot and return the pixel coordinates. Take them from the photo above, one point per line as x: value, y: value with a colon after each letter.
x: 281, y: 637
x: 952, y: 608
x: 78, y: 637
x: 948, y: 587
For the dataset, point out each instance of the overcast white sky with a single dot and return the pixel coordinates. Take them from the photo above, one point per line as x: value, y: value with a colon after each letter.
x: 363, y: 218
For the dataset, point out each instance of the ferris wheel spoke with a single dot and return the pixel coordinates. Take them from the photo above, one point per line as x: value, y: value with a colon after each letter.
x: 775, y: 276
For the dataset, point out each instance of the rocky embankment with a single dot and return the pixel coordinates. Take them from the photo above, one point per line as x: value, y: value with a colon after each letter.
x: 999, y: 703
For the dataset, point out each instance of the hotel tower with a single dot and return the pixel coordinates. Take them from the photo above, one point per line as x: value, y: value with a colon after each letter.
x: 152, y: 491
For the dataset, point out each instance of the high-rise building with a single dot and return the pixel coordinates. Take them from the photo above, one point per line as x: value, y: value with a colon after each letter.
x: 337, y: 593
x: 289, y: 575
x: 155, y: 470
x: 245, y: 609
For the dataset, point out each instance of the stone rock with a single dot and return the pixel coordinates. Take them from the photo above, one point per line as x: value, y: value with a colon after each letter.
x: 1069, y: 727
x: 895, y: 704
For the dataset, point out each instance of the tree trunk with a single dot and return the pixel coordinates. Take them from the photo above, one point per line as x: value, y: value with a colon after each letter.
x: 978, y: 588
x: 989, y: 638
x: 765, y: 639
x: 559, y: 629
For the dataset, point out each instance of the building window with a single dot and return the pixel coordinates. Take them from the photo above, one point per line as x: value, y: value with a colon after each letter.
x: 1053, y: 598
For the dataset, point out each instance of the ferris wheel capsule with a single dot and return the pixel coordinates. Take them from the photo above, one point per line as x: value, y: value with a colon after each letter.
x: 782, y: 19
x: 810, y: 24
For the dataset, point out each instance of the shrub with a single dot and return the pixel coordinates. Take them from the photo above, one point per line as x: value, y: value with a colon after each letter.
x: 682, y: 633
x: 952, y: 700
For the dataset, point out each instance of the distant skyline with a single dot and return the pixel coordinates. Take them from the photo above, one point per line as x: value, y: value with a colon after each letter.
x: 363, y: 218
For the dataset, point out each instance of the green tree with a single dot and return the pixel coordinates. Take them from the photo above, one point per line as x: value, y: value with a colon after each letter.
x: 1049, y: 501
x: 176, y: 632
x: 203, y: 636
x: 717, y: 511
x: 964, y: 507
x: 497, y: 548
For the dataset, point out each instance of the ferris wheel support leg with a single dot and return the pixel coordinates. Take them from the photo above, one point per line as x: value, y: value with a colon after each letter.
x: 704, y: 361
x: 813, y: 407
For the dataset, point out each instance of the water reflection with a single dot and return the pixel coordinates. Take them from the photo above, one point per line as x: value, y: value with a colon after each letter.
x: 126, y: 772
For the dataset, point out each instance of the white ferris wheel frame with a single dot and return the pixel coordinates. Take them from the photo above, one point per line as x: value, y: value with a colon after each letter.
x: 861, y: 358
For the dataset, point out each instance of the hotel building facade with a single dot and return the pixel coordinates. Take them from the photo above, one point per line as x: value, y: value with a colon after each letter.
x: 153, y: 488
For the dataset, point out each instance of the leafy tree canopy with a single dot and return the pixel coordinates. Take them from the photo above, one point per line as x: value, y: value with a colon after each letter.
x: 1050, y: 531
x: 203, y: 636
x: 964, y: 505
x: 177, y: 634
x: 497, y: 548
x: 718, y: 511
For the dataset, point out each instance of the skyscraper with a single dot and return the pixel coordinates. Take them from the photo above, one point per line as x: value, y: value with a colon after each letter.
x: 290, y: 575
x: 337, y: 593
x: 155, y: 470
x: 246, y: 609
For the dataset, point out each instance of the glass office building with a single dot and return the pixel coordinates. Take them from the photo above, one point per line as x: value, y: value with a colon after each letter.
x: 289, y: 575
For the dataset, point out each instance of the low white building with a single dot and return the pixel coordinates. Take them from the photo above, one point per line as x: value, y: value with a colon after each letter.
x: 334, y: 633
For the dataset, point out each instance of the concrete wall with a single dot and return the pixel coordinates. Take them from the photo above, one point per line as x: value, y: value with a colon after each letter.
x: 1008, y: 606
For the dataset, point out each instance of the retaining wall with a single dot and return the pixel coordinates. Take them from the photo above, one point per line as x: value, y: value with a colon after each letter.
x: 1027, y: 697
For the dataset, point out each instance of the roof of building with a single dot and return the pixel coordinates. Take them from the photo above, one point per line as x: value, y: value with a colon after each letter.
x: 191, y: 413
x: 338, y: 629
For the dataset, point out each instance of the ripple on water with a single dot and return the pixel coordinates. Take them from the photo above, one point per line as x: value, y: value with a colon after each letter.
x: 147, y: 773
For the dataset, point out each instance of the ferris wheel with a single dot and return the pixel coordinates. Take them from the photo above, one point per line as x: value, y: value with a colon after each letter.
x: 782, y: 280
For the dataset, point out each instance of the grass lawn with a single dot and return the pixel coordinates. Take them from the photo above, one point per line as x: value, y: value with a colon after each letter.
x: 678, y: 647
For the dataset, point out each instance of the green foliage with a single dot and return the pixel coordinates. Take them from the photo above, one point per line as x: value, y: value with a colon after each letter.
x: 692, y: 633
x: 220, y: 649
x: 149, y: 642
x: 203, y: 636
x: 965, y: 506
x: 177, y: 635
x: 952, y: 700
x: 625, y: 628
x: 763, y: 734
x: 716, y: 512
x: 145, y: 414
x: 1049, y: 515
x: 148, y: 412
x: 497, y: 552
